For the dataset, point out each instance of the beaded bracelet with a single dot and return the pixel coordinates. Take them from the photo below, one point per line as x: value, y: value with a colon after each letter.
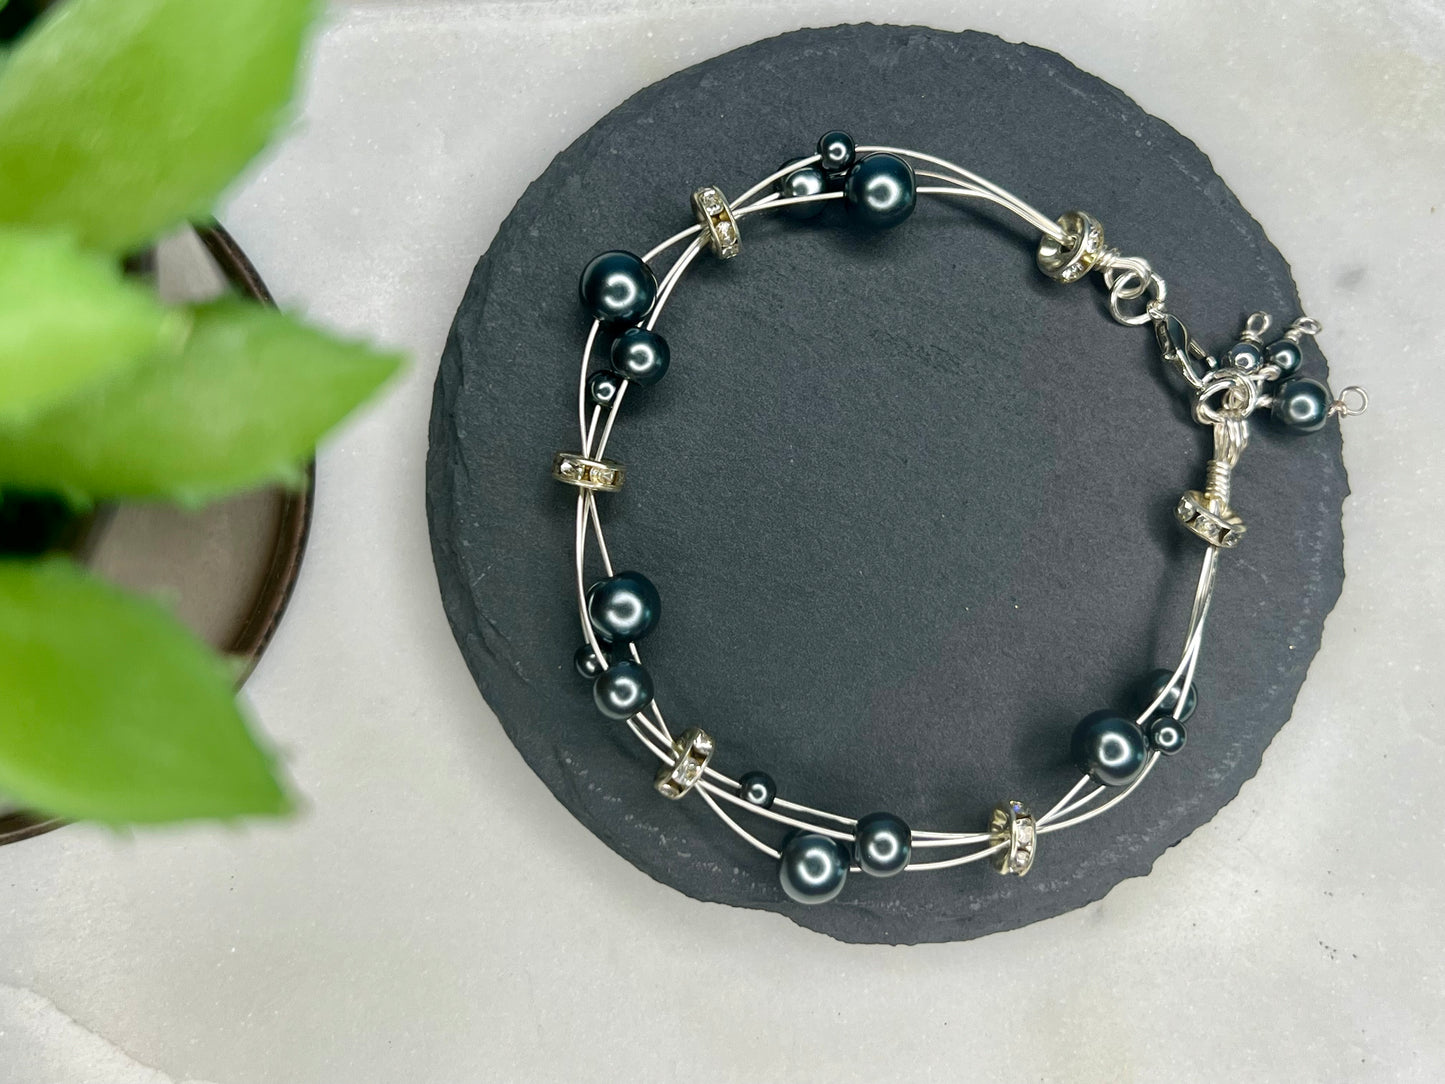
x: 1113, y: 751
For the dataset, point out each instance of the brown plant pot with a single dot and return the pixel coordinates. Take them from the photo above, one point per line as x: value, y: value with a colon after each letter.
x: 227, y: 569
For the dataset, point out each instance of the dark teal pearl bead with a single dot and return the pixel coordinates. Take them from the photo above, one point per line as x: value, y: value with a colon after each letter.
x: 758, y: 788
x: 603, y: 386
x: 641, y: 355
x: 624, y: 607
x: 880, y: 191
x: 1167, y: 735
x: 812, y: 867
x: 586, y: 662
x: 1109, y: 748
x: 1244, y: 356
x: 1154, y: 684
x: 808, y: 181
x: 617, y: 287
x: 622, y: 690
x: 1286, y: 355
x: 836, y: 152
x: 882, y: 844
x: 1302, y: 404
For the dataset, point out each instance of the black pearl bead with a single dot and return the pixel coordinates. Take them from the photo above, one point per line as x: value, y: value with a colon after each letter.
x: 624, y: 607
x: 882, y: 844
x: 617, y: 287
x: 603, y: 386
x: 1286, y: 356
x: 641, y: 355
x: 758, y: 788
x: 808, y: 181
x: 880, y: 191
x: 1167, y: 735
x: 622, y: 690
x: 812, y: 867
x: 1244, y: 356
x: 1109, y: 748
x: 1154, y: 684
x: 1302, y: 404
x: 586, y: 662
x: 836, y: 153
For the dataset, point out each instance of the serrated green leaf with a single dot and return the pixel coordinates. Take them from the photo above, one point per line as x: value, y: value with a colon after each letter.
x: 68, y: 318
x: 243, y: 402
x: 121, y: 118
x: 111, y: 711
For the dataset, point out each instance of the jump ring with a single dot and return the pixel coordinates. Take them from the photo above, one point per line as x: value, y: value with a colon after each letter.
x: 1225, y: 382
x: 1130, y: 284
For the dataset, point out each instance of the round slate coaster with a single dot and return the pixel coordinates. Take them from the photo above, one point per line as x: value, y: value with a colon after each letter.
x: 908, y: 503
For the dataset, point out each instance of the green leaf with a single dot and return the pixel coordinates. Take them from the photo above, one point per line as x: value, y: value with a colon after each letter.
x: 242, y: 404
x: 68, y: 318
x: 121, y: 118
x: 111, y: 711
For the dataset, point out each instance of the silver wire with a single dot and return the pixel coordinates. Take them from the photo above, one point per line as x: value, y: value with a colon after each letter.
x: 1129, y: 278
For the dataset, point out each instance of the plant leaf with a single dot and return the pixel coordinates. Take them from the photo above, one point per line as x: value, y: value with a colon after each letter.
x: 111, y: 711
x: 68, y: 318
x: 121, y: 119
x: 242, y: 404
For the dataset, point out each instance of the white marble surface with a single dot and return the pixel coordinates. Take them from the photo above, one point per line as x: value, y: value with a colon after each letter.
x: 386, y: 935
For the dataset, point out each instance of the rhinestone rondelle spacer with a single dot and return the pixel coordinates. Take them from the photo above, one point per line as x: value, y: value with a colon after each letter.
x: 600, y: 475
x: 1210, y: 518
x: 691, y: 751
x: 719, y: 227
x: 1071, y: 259
x: 1013, y: 825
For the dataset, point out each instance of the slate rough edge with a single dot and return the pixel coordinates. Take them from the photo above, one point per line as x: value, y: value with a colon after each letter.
x: 442, y: 436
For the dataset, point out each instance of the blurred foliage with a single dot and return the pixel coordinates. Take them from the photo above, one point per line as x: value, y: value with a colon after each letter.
x: 119, y: 121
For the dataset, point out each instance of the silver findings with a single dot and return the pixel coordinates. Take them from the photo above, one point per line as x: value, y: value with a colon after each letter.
x: 1012, y: 829
x: 1130, y: 279
x: 599, y: 475
x: 1207, y: 513
x: 1072, y: 258
x: 719, y: 226
x: 691, y: 752
x: 1351, y: 402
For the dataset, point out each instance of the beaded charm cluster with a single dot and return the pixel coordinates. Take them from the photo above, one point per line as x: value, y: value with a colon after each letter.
x: 1114, y: 751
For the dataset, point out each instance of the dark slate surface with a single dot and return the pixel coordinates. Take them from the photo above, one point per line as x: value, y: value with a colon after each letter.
x: 908, y: 503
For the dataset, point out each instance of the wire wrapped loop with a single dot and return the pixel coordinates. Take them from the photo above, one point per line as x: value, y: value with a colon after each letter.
x: 1131, y: 279
x: 1238, y: 397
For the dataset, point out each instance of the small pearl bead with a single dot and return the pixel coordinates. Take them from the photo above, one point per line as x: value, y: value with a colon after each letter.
x: 808, y: 181
x: 641, y: 355
x: 837, y: 152
x: 1302, y: 404
x: 603, y: 386
x: 812, y: 867
x: 617, y: 287
x: 1154, y: 684
x: 882, y: 844
x: 1285, y: 355
x: 624, y: 607
x: 880, y: 191
x: 586, y: 663
x: 622, y: 690
x: 1167, y: 735
x: 758, y: 788
x: 1109, y: 748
